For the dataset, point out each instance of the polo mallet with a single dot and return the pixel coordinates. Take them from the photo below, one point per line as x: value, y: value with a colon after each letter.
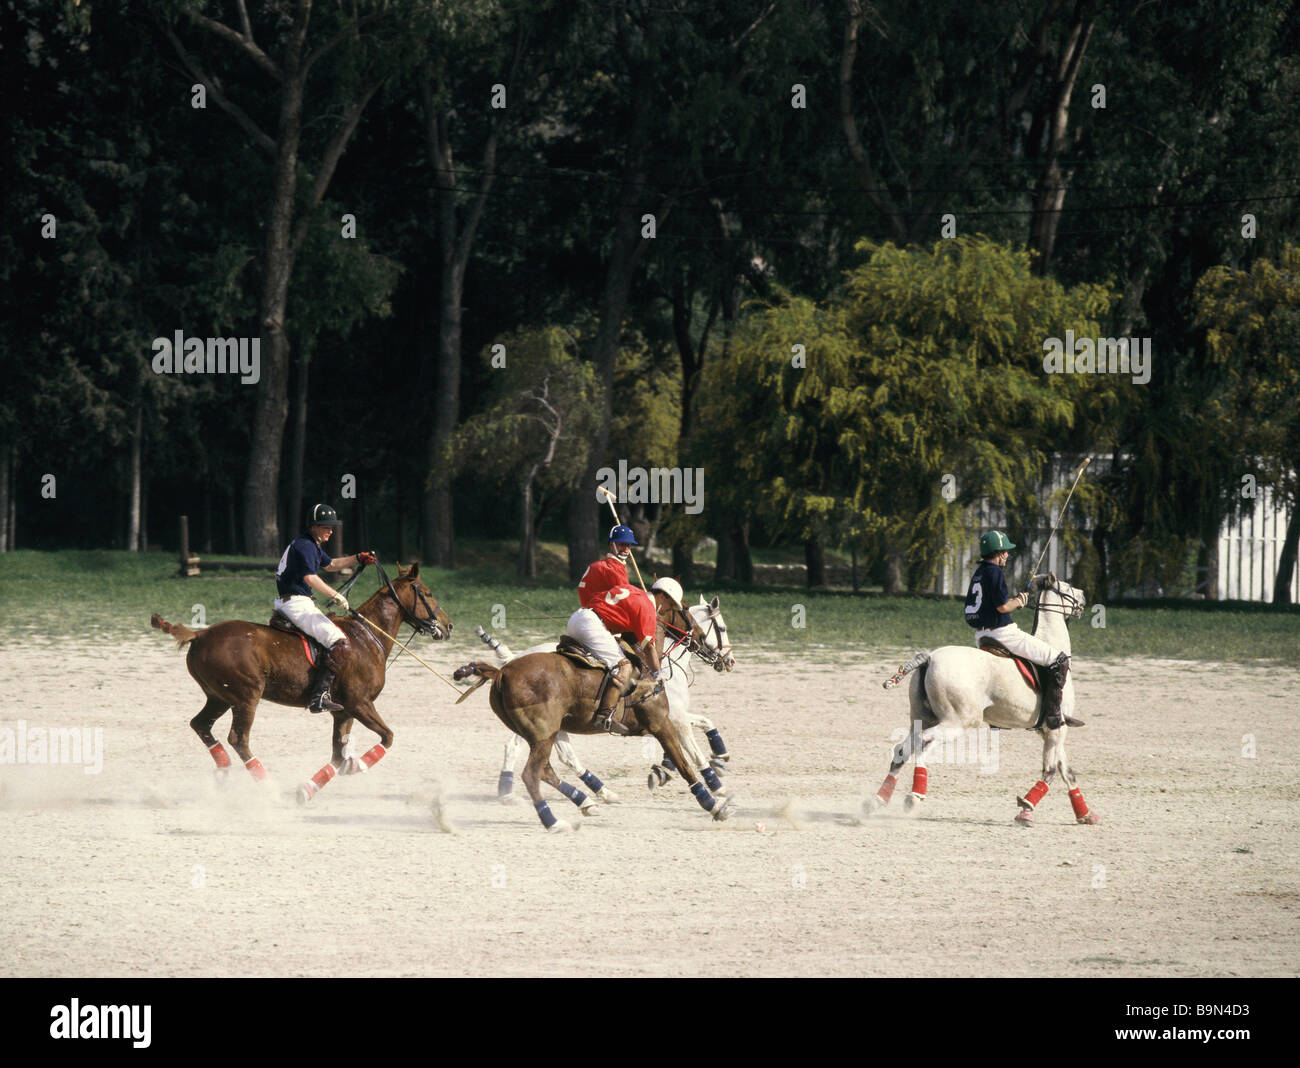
x: 1078, y: 475
x: 618, y: 522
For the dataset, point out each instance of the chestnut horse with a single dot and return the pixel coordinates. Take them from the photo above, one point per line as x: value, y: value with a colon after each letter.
x: 539, y: 694
x: 238, y: 664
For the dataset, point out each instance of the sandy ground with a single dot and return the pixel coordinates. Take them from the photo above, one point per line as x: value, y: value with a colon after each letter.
x: 147, y: 868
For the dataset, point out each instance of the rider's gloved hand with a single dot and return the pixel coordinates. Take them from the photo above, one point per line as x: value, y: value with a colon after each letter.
x: 341, y: 601
x: 365, y: 557
x: 660, y: 675
x: 1024, y: 598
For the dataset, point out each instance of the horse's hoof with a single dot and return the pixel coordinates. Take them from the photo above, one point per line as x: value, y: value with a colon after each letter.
x: 351, y: 766
x: 506, y: 799
x: 1025, y: 817
x: 719, y: 764
x: 559, y: 827
x: 657, y: 777
x: 1091, y: 819
x: 911, y: 801
x: 723, y: 811
x: 306, y: 791
x: 607, y: 795
x: 221, y: 777
x: 589, y: 808
x: 872, y: 805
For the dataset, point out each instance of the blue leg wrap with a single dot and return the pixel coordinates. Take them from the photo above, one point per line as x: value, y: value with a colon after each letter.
x: 545, y: 814
x: 573, y: 794
x: 592, y: 783
x: 506, y: 784
x: 716, y: 743
x: 703, y: 796
x: 710, y: 778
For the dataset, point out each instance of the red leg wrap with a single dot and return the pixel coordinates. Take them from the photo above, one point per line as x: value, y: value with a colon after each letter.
x: 371, y: 758
x: 886, y: 790
x: 1077, y: 802
x: 255, y: 768
x: 220, y: 755
x: 920, y: 780
x: 322, y: 777
x: 1036, y: 793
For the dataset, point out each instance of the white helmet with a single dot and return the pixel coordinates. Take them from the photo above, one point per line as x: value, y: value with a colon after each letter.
x: 671, y: 587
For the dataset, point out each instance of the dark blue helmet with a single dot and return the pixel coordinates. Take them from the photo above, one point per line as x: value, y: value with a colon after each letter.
x: 622, y: 535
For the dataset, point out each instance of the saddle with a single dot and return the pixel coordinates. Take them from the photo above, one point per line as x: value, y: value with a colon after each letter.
x: 578, y: 653
x: 1029, y: 671
x: 310, y: 646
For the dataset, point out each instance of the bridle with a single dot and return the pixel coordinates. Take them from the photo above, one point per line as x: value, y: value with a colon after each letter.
x: 695, y: 639
x: 1071, y: 607
x: 427, y: 625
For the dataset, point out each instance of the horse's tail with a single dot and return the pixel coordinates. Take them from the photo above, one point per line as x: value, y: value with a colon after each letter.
x: 907, y: 669
x: 179, y: 631
x: 477, y: 667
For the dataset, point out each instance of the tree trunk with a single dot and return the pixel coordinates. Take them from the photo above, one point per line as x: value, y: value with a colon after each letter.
x: 6, y: 455
x: 625, y: 255
x: 527, y: 564
x: 133, y: 508
x: 814, y: 554
x: 684, y: 562
x: 262, y: 487
x: 1287, y: 561
x: 1207, y: 558
x: 743, y: 562
x: 1101, y: 595
x: 894, y: 572
x: 232, y: 540
x: 724, y: 570
x: 298, y: 447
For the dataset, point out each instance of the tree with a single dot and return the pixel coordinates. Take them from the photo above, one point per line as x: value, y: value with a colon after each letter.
x: 298, y: 45
x: 842, y: 419
x: 535, y: 429
x: 1252, y: 322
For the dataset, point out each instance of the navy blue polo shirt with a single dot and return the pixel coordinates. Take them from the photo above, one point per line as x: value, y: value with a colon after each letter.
x: 303, y: 557
x: 988, y: 589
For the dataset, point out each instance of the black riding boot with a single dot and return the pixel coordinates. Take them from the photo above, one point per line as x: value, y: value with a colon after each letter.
x: 1059, y: 668
x: 321, y: 701
x: 617, y: 683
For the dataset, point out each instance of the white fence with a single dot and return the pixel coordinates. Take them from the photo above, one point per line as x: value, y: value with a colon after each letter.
x: 1249, y: 550
x: 1249, y: 547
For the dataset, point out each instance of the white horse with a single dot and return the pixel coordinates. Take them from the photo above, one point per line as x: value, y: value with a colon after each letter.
x: 708, y: 641
x: 959, y: 687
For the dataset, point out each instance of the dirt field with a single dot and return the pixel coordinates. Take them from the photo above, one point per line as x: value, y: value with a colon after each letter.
x: 148, y: 869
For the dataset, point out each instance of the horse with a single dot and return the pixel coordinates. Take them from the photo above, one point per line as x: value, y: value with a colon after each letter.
x: 539, y: 694
x: 959, y: 687
x: 703, y: 634
x: 237, y: 664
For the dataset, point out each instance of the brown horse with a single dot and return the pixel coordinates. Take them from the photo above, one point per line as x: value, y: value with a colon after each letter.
x: 238, y: 664
x: 537, y: 695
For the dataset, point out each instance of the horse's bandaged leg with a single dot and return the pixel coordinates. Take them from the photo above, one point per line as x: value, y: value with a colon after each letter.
x: 255, y: 769
x: 220, y: 755
x: 886, y: 792
x: 1082, y: 813
x: 316, y: 783
x: 372, y: 756
x: 505, y: 785
x: 576, y: 796
x: 711, y: 779
x: 920, y: 780
x: 1036, y: 793
x: 716, y: 743
x: 703, y: 796
x: 545, y: 814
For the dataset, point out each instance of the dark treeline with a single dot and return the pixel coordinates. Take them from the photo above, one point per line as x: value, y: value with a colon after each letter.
x: 488, y: 247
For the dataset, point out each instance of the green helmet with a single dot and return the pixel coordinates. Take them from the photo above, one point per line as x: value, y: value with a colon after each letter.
x: 994, y: 541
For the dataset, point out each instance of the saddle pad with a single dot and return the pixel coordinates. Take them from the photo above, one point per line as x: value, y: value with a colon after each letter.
x: 578, y: 653
x: 310, y: 646
x: 1028, y: 669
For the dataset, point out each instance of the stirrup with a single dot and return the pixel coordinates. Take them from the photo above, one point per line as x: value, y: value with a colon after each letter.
x: 323, y: 702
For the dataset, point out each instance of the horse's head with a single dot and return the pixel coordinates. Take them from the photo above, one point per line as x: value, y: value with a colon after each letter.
x: 1055, y: 595
x: 707, y: 618
x: 418, y: 604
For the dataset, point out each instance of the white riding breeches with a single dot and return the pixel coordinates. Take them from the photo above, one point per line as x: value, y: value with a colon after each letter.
x: 588, y: 628
x: 303, y: 614
x: 1021, y: 644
